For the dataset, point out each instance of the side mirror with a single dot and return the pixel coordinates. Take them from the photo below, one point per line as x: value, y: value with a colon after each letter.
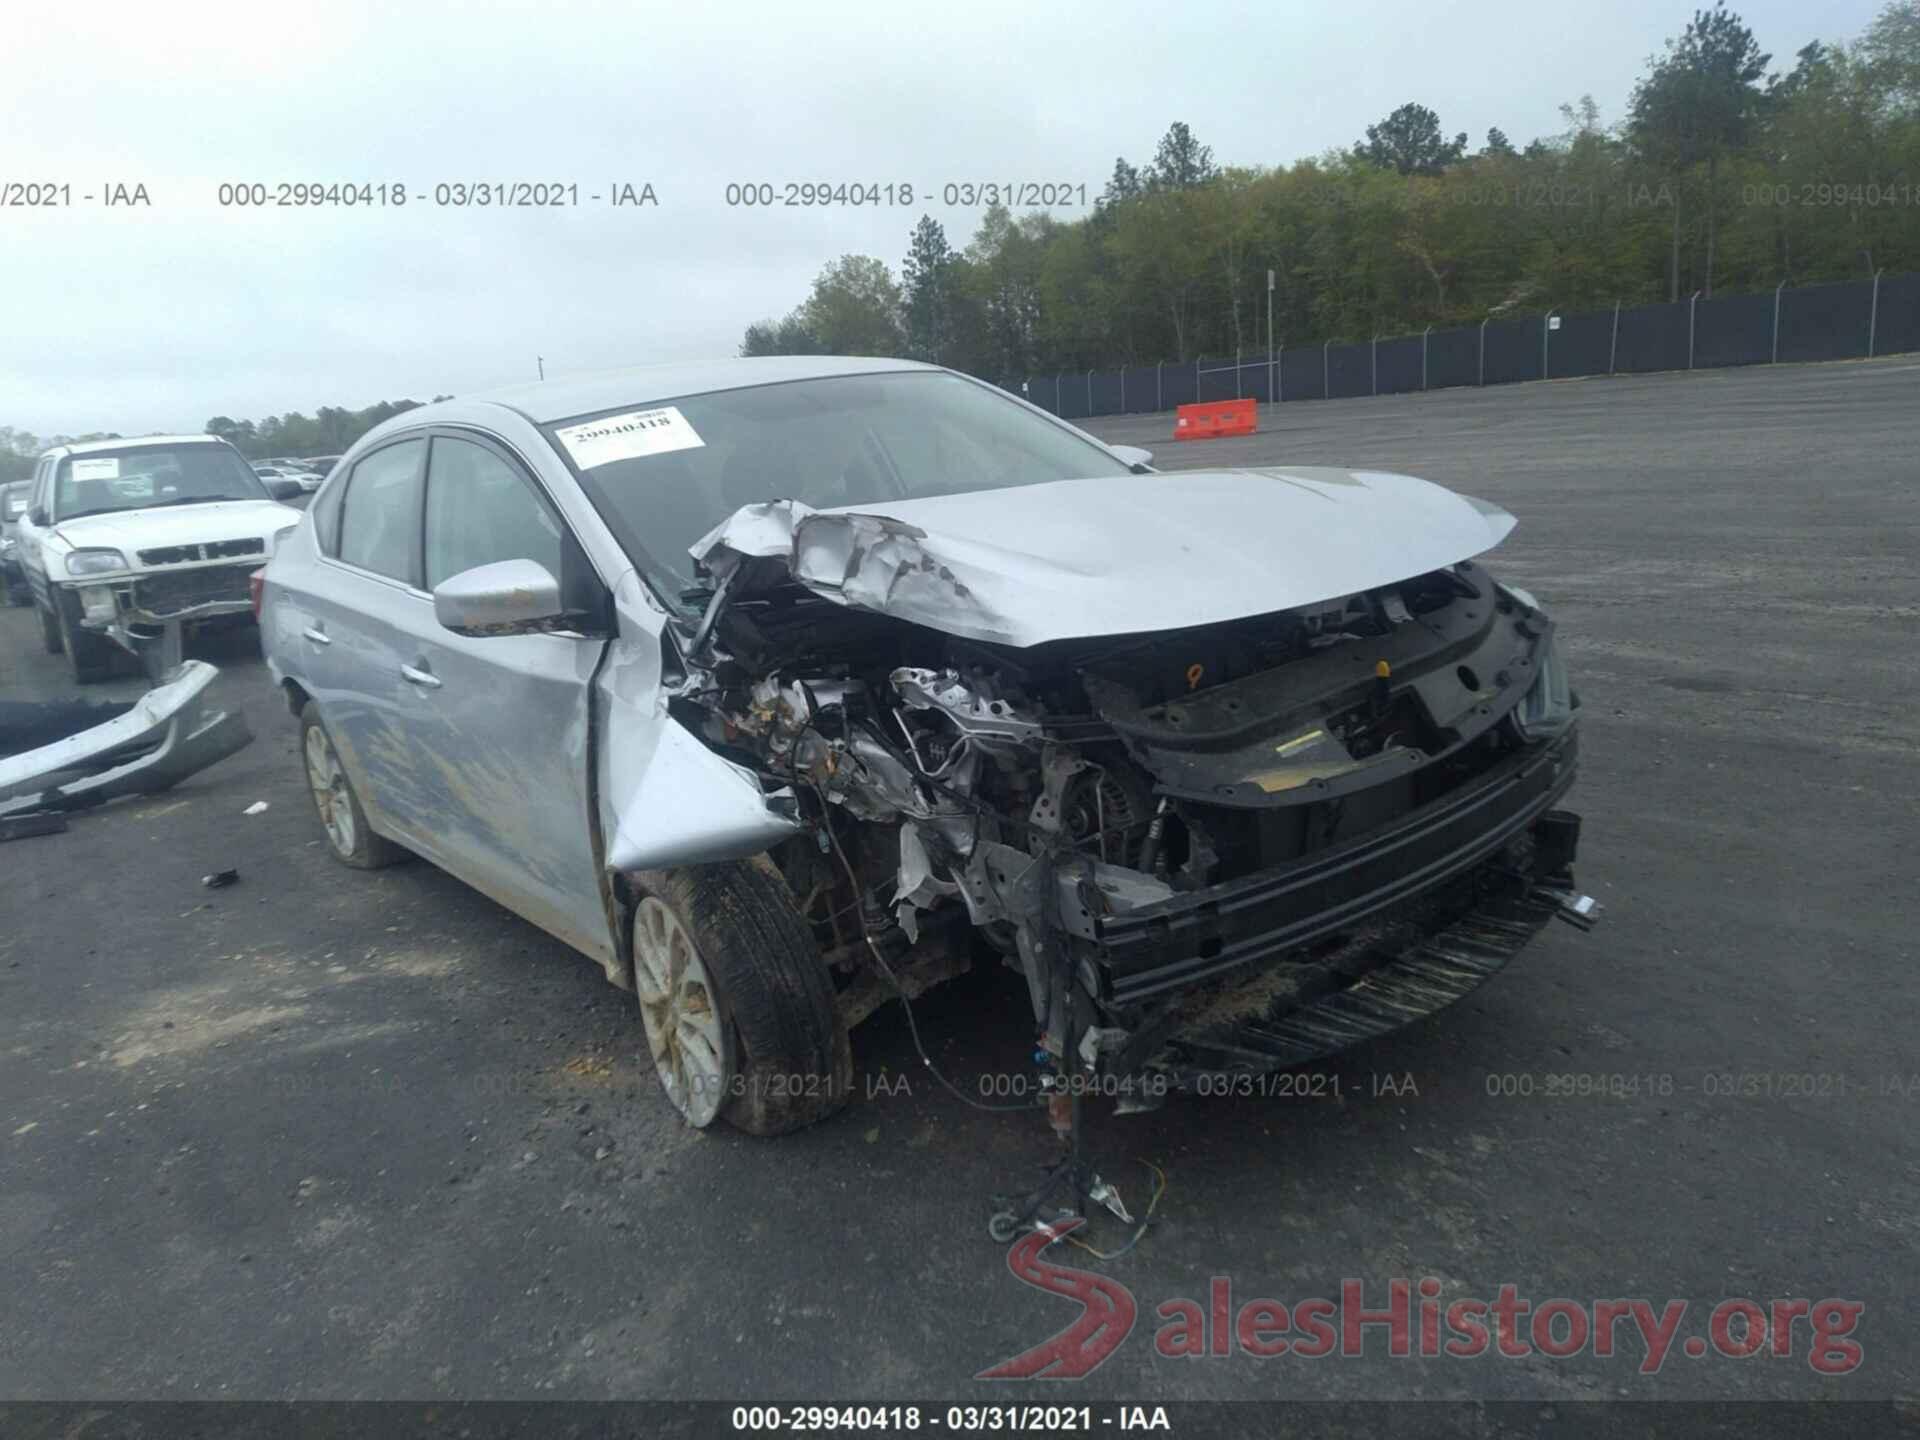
x: 508, y: 597
x: 1133, y: 455
x: 39, y: 517
x: 283, y: 489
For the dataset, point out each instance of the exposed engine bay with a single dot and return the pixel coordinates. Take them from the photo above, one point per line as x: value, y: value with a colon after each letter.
x: 1109, y: 815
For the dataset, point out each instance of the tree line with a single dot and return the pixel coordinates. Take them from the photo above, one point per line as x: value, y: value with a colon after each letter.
x: 1724, y: 173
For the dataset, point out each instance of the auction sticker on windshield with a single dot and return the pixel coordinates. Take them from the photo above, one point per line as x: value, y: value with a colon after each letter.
x: 108, y: 469
x: 624, y: 437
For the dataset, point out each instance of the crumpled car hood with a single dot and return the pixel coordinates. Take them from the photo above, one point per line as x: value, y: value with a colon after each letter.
x: 1073, y: 559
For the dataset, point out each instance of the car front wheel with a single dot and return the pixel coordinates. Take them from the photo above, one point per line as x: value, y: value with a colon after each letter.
x: 738, y: 1007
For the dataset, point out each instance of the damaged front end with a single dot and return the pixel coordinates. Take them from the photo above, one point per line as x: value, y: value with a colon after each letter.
x: 1227, y: 847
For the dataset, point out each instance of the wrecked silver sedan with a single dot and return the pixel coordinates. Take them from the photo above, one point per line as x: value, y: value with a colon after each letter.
x: 786, y: 687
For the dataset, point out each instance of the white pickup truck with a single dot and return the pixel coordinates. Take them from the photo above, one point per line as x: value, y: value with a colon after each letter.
x: 129, y: 542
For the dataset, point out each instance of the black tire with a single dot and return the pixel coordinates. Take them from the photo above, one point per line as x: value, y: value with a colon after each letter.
x: 368, y: 851
x: 50, y: 631
x: 793, y: 1064
x: 89, y: 656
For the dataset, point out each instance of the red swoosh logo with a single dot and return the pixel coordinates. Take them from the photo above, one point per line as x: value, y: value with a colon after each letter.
x: 1106, y: 1317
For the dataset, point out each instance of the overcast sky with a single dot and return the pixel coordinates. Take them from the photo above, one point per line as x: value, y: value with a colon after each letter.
x: 158, y: 318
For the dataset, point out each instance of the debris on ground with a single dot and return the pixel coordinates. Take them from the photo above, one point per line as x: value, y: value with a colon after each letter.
x: 219, y: 879
x: 259, y: 807
x: 68, y: 755
x: 38, y: 822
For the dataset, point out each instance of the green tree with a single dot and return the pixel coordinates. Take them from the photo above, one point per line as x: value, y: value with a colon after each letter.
x: 1409, y: 141
x: 788, y: 336
x: 1181, y: 162
x: 1123, y: 185
x: 929, y: 281
x: 855, y: 308
x: 1698, y: 101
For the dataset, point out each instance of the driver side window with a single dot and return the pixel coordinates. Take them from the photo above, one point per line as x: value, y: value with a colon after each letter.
x: 480, y: 510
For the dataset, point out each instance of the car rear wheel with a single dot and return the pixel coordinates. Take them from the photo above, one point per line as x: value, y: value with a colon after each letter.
x: 89, y: 656
x: 737, y: 1005
x: 344, y: 823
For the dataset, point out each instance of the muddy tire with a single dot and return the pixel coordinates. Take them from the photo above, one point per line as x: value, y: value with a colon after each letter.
x: 50, y: 631
x: 89, y: 656
x: 350, y: 840
x: 774, y: 1055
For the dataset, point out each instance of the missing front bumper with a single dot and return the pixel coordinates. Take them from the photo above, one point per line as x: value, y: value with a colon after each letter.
x: 1295, y: 964
x: 171, y: 732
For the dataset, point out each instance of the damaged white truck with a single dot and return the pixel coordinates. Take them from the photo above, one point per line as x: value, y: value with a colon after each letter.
x: 786, y: 687
x: 127, y: 544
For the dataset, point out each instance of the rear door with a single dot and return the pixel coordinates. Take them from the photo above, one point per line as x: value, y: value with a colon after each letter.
x: 346, y: 620
x: 503, y: 750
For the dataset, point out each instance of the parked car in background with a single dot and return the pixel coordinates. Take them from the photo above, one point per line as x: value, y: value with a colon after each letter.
x: 13, y: 579
x: 321, y: 465
x: 784, y: 686
x: 307, y: 480
x: 120, y: 538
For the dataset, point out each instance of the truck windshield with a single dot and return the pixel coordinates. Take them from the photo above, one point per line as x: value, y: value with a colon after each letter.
x: 141, y: 476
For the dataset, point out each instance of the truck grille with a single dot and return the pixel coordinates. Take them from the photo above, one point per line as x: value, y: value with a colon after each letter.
x: 184, y: 589
x: 212, y: 550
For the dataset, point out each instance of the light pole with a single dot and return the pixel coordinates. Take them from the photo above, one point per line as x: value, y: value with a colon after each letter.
x: 1373, y: 361
x: 1873, y: 311
x: 1273, y: 379
x: 1423, y: 356
x: 1613, y: 345
x: 1546, y: 329
x: 1776, y: 322
x: 1692, y: 300
x: 1483, y: 350
x: 1326, y: 374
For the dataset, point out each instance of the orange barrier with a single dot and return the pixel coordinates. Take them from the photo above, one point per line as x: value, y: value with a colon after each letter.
x: 1210, y: 421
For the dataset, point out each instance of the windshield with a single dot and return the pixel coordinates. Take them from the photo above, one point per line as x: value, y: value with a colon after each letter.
x: 147, y: 475
x: 665, y: 471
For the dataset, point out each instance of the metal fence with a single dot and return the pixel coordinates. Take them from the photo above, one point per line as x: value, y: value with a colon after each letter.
x: 1846, y: 321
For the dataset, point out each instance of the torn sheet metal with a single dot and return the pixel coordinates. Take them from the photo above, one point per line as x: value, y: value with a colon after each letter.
x: 1128, y: 554
x: 171, y: 732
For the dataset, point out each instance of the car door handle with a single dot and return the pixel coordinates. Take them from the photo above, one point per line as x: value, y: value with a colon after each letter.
x: 423, y: 678
x: 318, y: 636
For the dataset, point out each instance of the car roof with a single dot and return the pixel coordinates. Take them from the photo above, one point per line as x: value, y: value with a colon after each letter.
x: 545, y: 401
x: 128, y: 442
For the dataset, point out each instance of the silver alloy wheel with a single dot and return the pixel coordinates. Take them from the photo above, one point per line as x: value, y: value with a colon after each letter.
x: 684, y: 1029
x: 329, y: 784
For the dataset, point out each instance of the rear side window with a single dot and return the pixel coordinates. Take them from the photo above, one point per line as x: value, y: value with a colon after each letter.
x: 325, y: 510
x: 380, y: 519
x: 481, y: 509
